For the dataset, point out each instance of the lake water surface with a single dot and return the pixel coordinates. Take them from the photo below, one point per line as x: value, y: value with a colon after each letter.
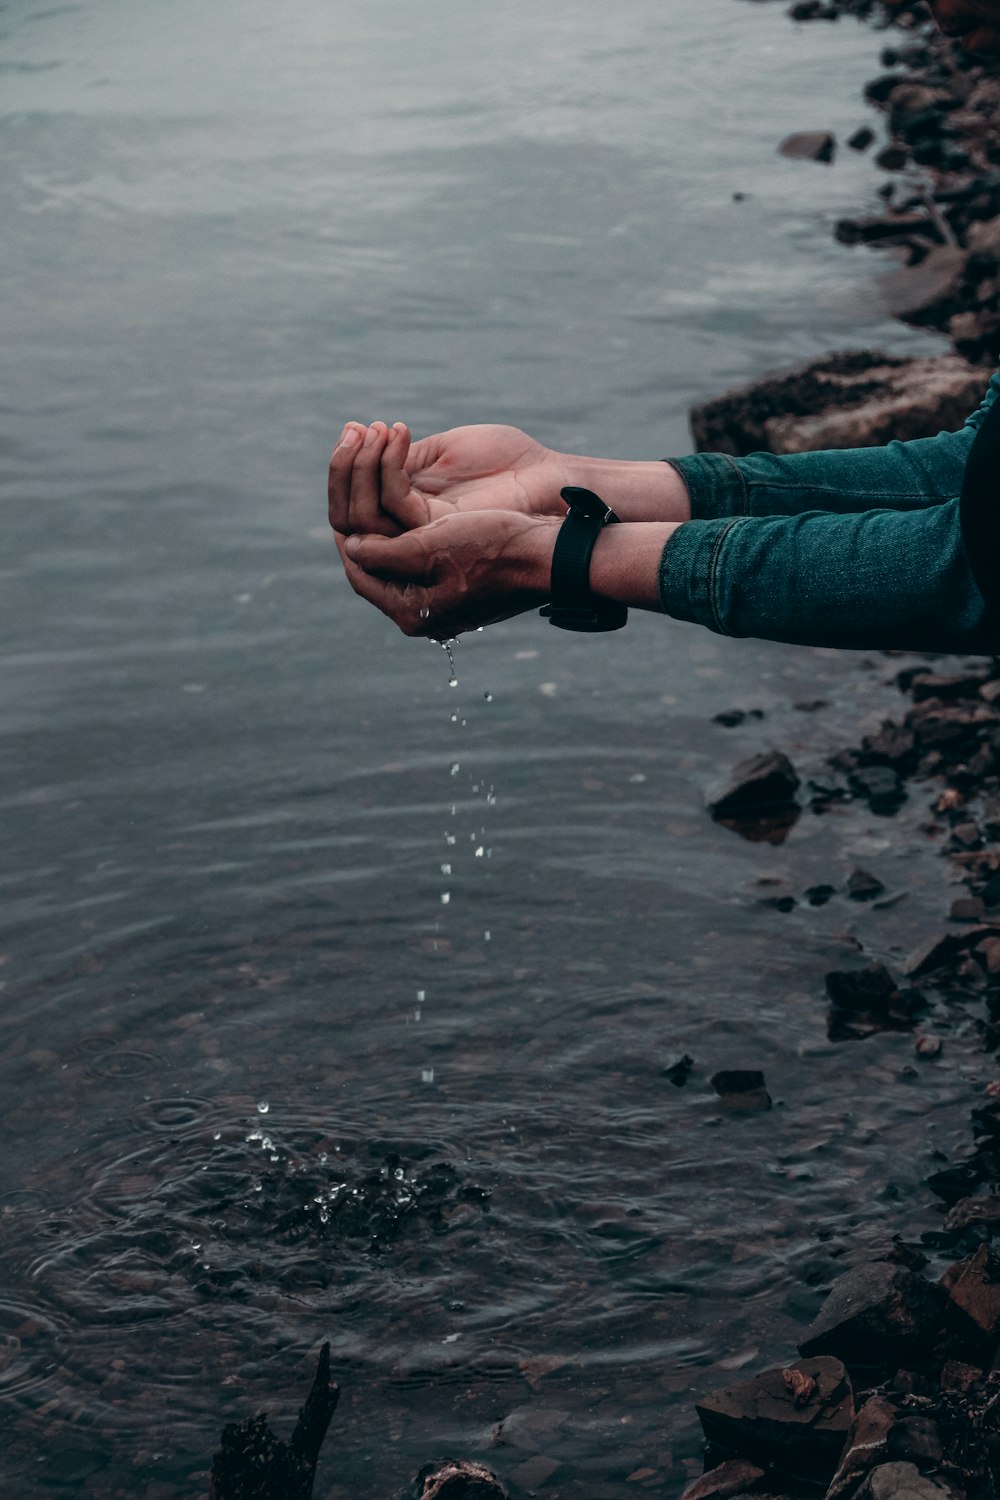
x: 336, y: 1001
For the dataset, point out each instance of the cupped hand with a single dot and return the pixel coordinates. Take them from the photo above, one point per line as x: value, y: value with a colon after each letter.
x: 453, y: 573
x: 382, y: 483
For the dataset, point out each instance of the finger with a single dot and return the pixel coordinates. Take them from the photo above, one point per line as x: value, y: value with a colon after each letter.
x: 338, y: 483
x: 406, y: 604
x: 399, y: 500
x: 365, y: 513
x: 404, y: 557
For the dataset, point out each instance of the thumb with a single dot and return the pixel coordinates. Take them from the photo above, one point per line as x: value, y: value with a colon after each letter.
x: 400, y: 556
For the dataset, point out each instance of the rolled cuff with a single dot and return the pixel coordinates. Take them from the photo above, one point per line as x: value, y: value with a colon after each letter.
x: 687, y: 575
x: 715, y: 484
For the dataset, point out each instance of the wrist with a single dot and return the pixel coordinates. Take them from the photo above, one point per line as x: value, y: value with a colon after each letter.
x: 636, y: 489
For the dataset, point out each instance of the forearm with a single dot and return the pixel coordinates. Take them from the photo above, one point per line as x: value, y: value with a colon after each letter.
x: 878, y: 580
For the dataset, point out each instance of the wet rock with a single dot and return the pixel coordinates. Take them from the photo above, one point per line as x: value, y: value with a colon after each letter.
x: 755, y: 786
x: 819, y: 895
x: 810, y: 145
x: 866, y: 1446
x: 948, y: 686
x: 881, y: 788
x: 880, y: 229
x: 934, y: 953
x: 763, y: 1419
x: 973, y: 1211
x: 861, y: 139
x: 531, y: 1474
x: 877, y: 1315
x: 967, y: 909
x: 679, y: 1071
x: 928, y: 293
x: 973, y: 1311
x: 735, y: 1477
x: 868, y: 1000
x: 894, y: 745
x: 956, y: 1375
x: 456, y: 1479
x: 928, y: 1046
x: 741, y: 1088
x: 859, y: 399
x: 902, y: 1481
x: 863, y: 886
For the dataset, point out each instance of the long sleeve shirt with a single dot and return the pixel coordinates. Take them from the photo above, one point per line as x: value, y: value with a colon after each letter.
x: 867, y: 547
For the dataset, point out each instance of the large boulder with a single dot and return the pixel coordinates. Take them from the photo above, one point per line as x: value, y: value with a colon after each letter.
x: 860, y: 399
x: 877, y: 1315
x: 793, y: 1419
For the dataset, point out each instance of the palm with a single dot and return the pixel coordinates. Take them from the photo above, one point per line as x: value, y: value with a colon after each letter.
x: 477, y: 468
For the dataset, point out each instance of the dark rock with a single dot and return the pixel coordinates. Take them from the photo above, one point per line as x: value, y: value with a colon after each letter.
x: 934, y: 953
x: 871, y: 988
x: 876, y: 229
x: 894, y: 745
x: 973, y: 1313
x: 876, y: 1315
x: 881, y: 788
x: 735, y: 1477
x: 967, y: 909
x: 861, y: 139
x: 741, y: 1088
x: 939, y: 685
x: 680, y: 1071
x: 956, y: 1375
x: 765, y: 781
x: 784, y: 1423
x: 819, y: 895
x: 892, y: 159
x: 860, y: 399
x: 928, y: 1046
x: 862, y: 886
x: 973, y: 1211
x: 810, y: 145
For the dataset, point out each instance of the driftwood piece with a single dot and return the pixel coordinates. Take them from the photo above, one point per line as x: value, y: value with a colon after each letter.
x: 456, y: 1479
x: 253, y: 1464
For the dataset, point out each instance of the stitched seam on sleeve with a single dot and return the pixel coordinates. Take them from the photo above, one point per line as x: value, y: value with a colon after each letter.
x: 741, y: 480
x: 713, y: 567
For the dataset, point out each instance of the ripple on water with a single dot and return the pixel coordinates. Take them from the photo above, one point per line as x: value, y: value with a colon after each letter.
x: 29, y: 1343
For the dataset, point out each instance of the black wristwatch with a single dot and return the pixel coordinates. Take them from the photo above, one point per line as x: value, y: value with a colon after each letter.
x: 573, y: 605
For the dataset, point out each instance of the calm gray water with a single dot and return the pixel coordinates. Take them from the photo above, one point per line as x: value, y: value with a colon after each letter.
x: 234, y: 800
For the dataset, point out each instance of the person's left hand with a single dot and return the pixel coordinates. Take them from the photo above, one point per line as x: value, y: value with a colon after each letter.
x: 455, y: 573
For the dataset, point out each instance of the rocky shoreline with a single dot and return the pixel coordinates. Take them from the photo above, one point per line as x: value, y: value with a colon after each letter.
x: 896, y: 1393
x: 939, y: 223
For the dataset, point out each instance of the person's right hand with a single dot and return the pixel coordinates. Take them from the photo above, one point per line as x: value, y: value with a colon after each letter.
x: 381, y: 483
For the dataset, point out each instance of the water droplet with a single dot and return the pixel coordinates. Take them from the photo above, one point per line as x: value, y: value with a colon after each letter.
x: 216, y: 1135
x: 488, y: 697
x: 421, y: 996
x: 480, y: 852
x: 426, y: 1075
x: 456, y: 768
x: 487, y: 936
x: 425, y: 613
x: 450, y: 838
x: 445, y: 897
x: 263, y: 1107
x: 446, y: 869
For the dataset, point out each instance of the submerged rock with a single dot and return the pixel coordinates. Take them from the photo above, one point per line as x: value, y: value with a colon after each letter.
x: 741, y: 1088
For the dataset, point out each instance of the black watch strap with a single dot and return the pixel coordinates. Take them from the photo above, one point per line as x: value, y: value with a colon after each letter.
x: 573, y: 605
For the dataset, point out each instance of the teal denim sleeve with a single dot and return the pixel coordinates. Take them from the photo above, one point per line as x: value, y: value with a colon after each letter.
x: 900, y: 476
x: 856, y: 548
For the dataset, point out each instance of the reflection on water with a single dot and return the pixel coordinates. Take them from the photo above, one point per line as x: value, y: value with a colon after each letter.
x: 262, y: 1084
